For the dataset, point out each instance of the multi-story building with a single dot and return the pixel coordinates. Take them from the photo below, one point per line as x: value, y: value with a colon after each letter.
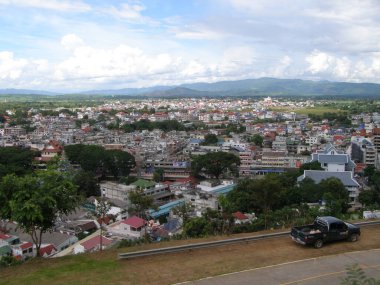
x: 363, y: 151
x: 334, y: 164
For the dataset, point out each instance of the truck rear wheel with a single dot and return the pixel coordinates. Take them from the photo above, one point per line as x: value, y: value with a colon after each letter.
x: 354, y: 237
x: 318, y: 243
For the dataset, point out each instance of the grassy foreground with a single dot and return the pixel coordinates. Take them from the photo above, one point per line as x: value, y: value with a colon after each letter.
x: 105, y: 268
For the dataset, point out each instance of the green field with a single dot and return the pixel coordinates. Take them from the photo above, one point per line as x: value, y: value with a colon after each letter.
x: 306, y: 111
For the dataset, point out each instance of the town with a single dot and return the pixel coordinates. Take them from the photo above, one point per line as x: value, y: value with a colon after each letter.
x: 150, y: 170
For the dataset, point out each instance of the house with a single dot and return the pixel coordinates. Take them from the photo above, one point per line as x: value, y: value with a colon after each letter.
x: 334, y: 164
x: 60, y: 240
x: 346, y: 177
x: 92, y: 244
x: 23, y: 250
x: 133, y: 227
x: 47, y: 250
x: 333, y: 160
x: 240, y: 218
x: 9, y: 239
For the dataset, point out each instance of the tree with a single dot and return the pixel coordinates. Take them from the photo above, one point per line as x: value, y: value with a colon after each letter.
x: 36, y: 200
x: 369, y: 171
x: 197, y: 227
x: 240, y: 197
x: 16, y: 160
x: 309, y: 191
x: 99, y: 161
x: 315, y: 165
x: 183, y: 211
x: 6, y: 195
x: 140, y: 203
x: 158, y: 175
x: 210, y: 139
x: 369, y: 197
x: 266, y: 194
x: 118, y: 162
x: 261, y: 195
x: 215, y: 164
x: 335, y: 195
x: 257, y: 140
x: 87, y: 183
x: 101, y: 211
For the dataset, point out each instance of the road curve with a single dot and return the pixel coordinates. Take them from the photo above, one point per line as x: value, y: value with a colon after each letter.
x: 313, y: 271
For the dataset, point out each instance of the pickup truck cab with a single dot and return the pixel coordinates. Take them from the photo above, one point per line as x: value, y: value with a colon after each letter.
x: 325, y: 229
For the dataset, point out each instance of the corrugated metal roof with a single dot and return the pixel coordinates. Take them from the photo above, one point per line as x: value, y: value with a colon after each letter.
x: 319, y: 175
x: 333, y: 158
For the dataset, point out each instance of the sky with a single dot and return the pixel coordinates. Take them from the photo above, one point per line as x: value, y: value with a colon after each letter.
x: 76, y: 45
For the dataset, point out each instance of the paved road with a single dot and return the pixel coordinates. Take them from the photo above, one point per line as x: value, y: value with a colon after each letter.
x: 321, y: 270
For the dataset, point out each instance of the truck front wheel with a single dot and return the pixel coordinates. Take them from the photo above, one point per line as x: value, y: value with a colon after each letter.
x: 318, y: 243
x: 354, y: 237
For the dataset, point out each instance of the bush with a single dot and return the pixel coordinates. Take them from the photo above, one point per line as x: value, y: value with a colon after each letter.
x: 6, y: 261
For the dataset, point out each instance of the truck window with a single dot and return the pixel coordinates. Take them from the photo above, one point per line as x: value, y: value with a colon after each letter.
x: 338, y: 227
x: 333, y: 226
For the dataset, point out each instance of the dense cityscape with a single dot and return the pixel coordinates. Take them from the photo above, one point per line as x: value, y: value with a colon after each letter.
x: 186, y: 167
x: 189, y: 142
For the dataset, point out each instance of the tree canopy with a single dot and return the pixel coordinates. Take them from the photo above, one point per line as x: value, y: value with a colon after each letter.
x: 99, y: 161
x: 210, y: 139
x: 34, y: 201
x: 214, y: 164
x: 14, y: 160
x: 257, y: 140
x: 140, y: 203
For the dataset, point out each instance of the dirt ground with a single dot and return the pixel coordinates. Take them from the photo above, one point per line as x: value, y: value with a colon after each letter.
x: 105, y: 268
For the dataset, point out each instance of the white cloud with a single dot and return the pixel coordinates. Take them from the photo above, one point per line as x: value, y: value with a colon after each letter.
x: 127, y: 11
x: 319, y: 62
x: 281, y: 68
x: 122, y: 61
x: 71, y: 41
x: 11, y: 68
x: 60, y: 5
x: 195, y: 32
x: 23, y: 73
x: 328, y: 66
x: 130, y: 13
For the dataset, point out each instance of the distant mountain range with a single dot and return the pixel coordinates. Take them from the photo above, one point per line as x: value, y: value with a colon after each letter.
x: 12, y: 91
x: 247, y: 87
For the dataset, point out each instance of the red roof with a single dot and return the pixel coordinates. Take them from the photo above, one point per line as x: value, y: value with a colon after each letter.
x: 240, y: 216
x: 376, y: 131
x: 338, y: 137
x: 48, y: 249
x: 134, y: 222
x: 4, y: 236
x: 26, y: 245
x: 94, y: 242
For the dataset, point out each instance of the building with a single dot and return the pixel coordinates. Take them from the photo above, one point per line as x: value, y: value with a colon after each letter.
x: 334, y: 164
x: 133, y: 227
x: 346, y: 177
x: 363, y: 151
x: 115, y: 190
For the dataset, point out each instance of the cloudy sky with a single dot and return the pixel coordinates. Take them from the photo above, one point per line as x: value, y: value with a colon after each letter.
x: 73, y: 45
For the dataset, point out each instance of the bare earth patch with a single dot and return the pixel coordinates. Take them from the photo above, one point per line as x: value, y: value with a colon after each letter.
x: 106, y: 268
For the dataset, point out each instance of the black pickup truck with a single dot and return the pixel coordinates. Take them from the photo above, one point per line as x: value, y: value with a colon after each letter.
x: 325, y: 229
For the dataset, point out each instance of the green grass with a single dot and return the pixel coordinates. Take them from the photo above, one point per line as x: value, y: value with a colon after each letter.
x: 63, y: 270
x: 105, y: 268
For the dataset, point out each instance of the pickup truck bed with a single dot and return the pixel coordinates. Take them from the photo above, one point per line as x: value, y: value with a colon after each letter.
x: 324, y: 229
